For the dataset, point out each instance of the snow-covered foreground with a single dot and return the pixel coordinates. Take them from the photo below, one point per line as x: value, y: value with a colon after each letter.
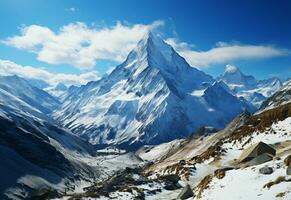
x: 242, y: 183
x: 248, y: 184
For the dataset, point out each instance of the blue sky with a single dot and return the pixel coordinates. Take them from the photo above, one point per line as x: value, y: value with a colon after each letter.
x: 77, y: 41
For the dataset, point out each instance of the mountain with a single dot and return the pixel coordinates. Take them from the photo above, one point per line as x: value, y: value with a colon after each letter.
x: 19, y: 94
x: 39, y: 159
x: 38, y: 155
x: 230, y: 104
x: 236, y: 79
x: 210, y: 166
x: 57, y: 91
x: 40, y: 84
x: 254, y: 91
x: 152, y: 97
x: 282, y: 96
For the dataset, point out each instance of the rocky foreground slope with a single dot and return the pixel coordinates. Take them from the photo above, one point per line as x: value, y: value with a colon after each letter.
x: 249, y: 159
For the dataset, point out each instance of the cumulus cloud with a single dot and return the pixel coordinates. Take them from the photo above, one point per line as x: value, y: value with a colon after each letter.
x: 78, y: 44
x: 10, y: 68
x: 179, y: 46
x: 224, y: 53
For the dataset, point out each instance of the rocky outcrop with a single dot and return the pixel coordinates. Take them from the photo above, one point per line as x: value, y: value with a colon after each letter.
x: 287, y: 160
x: 255, y: 151
x: 260, y: 159
x: 266, y: 170
x: 186, y: 193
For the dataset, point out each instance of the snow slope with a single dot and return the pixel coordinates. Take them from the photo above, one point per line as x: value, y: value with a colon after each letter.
x: 240, y: 181
x: 36, y: 153
x: 19, y: 94
x: 283, y: 96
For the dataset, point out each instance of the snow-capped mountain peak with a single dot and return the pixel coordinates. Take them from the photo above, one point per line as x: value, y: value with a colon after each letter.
x: 231, y: 69
x: 235, y: 78
x: 150, y: 42
x: 151, y: 51
x: 254, y: 91
x: 150, y: 98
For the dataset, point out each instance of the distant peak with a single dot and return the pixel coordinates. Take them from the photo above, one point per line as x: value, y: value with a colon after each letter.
x: 231, y: 69
x: 61, y: 86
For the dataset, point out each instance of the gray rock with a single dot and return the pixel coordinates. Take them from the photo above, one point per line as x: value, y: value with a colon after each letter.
x: 266, y: 170
x: 288, y: 171
x: 186, y: 193
x: 171, y: 181
x: 287, y: 160
x: 255, y: 151
x: 260, y: 159
x: 182, y: 162
x: 171, y: 178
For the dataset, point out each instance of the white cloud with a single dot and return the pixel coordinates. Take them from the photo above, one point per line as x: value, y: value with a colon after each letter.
x: 225, y: 53
x: 10, y: 68
x: 179, y: 46
x: 79, y: 45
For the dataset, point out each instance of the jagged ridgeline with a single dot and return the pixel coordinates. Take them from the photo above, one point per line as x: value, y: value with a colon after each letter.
x: 154, y: 96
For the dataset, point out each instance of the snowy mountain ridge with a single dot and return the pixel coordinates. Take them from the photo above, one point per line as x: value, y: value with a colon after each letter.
x: 153, y: 96
x: 248, y: 159
x: 254, y: 91
x: 39, y: 157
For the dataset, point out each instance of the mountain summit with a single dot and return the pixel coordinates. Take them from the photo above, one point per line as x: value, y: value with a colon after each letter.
x: 241, y: 85
x: 152, y: 97
x: 234, y: 77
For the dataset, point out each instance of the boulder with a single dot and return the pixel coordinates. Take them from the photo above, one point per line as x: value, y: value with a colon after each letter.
x: 182, y: 162
x: 186, y: 193
x: 288, y: 171
x: 171, y: 178
x: 172, y: 186
x: 260, y: 159
x: 287, y: 160
x: 255, y: 151
x: 266, y: 170
x: 171, y: 181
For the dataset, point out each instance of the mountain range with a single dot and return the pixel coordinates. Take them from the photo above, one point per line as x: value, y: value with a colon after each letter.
x: 51, y: 136
x: 254, y: 91
x: 152, y: 97
x: 248, y: 159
